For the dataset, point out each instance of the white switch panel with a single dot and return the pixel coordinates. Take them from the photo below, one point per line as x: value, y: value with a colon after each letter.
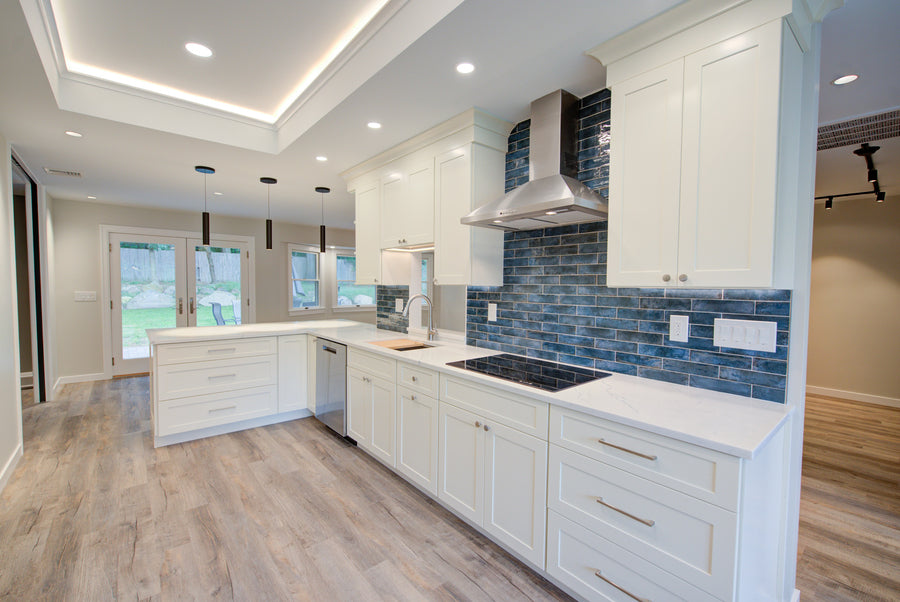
x: 398, y: 304
x: 492, y: 312
x: 745, y: 334
x: 83, y: 296
x: 678, y: 328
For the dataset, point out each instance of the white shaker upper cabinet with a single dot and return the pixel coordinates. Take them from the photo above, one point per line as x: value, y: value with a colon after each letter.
x: 407, y: 202
x: 368, y: 249
x: 701, y: 159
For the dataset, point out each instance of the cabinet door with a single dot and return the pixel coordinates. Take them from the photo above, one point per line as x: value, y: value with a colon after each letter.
x: 393, y: 210
x: 729, y: 161
x: 382, y: 406
x: 452, y: 200
x: 292, y: 372
x: 515, y: 496
x: 359, y: 406
x: 419, y: 213
x: 417, y: 439
x: 368, y: 247
x: 644, y: 178
x: 461, y: 457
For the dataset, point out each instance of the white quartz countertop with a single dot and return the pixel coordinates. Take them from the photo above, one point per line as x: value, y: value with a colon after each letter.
x: 723, y: 422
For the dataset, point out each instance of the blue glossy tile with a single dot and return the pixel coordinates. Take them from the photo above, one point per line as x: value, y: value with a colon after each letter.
x: 642, y: 292
x: 615, y: 367
x: 592, y: 268
x: 623, y: 346
x: 721, y: 359
x: 725, y: 386
x: 597, y: 333
x: 618, y: 324
x: 665, y: 352
x: 558, y: 328
x: 693, y: 293
x: 665, y: 303
x: 578, y: 259
x: 542, y: 355
x: 652, y: 315
x: 732, y: 307
x: 664, y: 375
x: 576, y: 340
x: 560, y: 230
x: 591, y: 227
x: 577, y: 300
x: 593, y: 248
x: 576, y: 360
x: 773, y: 366
x: 559, y: 348
x: 639, y: 360
x: 543, y: 298
x: 639, y: 337
x: 765, y: 379
x: 580, y: 279
x: 704, y: 332
x: 580, y: 237
x: 762, y: 294
x: 768, y: 394
x: 657, y: 327
x: 766, y: 308
x: 597, y: 353
x: 600, y: 312
x: 632, y: 302
x: 691, y: 368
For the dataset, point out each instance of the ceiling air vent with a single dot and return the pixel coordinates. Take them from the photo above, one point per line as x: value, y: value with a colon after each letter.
x: 861, y: 129
x: 62, y: 172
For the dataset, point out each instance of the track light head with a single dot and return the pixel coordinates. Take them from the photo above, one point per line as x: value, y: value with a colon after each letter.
x: 879, y: 196
x: 829, y: 202
x: 873, y: 175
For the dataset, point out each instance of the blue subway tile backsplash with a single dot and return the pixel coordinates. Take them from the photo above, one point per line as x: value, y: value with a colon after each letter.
x: 385, y: 316
x: 555, y: 304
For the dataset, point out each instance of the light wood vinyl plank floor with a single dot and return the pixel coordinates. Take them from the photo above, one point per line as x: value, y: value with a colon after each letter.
x: 285, y: 512
x: 850, y: 502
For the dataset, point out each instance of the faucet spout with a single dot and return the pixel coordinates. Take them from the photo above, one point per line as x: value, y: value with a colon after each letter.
x: 431, y: 330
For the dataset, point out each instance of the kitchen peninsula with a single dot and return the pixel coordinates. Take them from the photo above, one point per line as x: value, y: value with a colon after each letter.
x: 667, y: 487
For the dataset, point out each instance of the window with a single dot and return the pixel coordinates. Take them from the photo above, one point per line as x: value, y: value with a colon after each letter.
x: 304, y: 278
x: 348, y: 293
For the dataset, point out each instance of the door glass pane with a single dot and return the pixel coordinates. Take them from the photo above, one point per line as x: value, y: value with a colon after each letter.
x: 147, y: 293
x: 218, y: 277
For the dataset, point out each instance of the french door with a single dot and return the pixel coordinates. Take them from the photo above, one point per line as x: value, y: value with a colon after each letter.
x: 167, y: 282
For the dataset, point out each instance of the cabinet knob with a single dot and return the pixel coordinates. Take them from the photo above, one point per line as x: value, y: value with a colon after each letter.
x: 435, y: 281
x: 487, y: 428
x: 666, y: 277
x: 412, y: 397
x: 477, y: 424
x: 414, y: 379
x: 682, y: 277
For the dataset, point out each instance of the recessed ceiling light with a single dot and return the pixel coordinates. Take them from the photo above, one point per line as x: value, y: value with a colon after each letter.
x: 465, y: 68
x: 374, y: 125
x: 845, y: 79
x: 498, y: 221
x: 217, y: 193
x: 73, y: 134
x: 321, y: 158
x: 198, y: 50
x: 91, y: 197
x: 550, y: 213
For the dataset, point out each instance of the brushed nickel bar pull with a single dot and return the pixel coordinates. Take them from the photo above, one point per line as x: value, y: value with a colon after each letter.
x: 646, y: 521
x: 625, y: 449
x: 222, y: 409
x: 221, y: 349
x: 620, y: 588
x: 221, y: 376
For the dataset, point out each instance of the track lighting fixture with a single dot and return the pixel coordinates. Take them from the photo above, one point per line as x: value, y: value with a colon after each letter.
x: 205, y: 171
x: 873, y: 176
x: 268, y: 182
x: 879, y: 197
x: 829, y: 202
x: 323, y: 190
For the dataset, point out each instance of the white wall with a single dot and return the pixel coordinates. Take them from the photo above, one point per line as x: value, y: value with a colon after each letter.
x: 854, y: 338
x: 77, y: 266
x: 10, y: 395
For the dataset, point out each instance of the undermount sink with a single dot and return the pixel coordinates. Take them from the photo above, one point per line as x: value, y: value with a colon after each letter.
x: 402, y: 344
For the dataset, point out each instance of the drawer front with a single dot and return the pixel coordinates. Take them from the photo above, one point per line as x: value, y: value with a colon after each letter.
x: 691, y: 539
x: 203, y: 411
x: 202, y: 378
x: 179, y: 353
x: 418, y: 379
x: 374, y: 364
x: 599, y: 570
x: 521, y: 413
x: 696, y: 471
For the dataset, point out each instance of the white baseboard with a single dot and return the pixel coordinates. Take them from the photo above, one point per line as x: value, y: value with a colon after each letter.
x: 854, y: 396
x: 796, y: 596
x: 76, y: 378
x: 10, y: 466
x: 26, y: 379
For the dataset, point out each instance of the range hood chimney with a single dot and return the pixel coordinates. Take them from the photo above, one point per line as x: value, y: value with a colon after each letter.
x: 552, y: 196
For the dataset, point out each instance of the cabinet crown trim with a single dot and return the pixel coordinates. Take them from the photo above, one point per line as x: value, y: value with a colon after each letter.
x: 475, y: 121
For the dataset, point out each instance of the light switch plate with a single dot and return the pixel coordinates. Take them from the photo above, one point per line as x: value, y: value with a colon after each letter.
x: 84, y: 296
x: 492, y: 312
x: 398, y: 304
x: 745, y: 334
x: 678, y: 328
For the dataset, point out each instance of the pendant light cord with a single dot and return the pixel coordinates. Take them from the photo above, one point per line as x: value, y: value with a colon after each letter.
x: 268, y: 205
x: 204, y: 192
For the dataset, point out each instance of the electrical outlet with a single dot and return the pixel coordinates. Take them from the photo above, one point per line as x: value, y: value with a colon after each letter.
x: 678, y: 328
x: 492, y: 312
x: 398, y: 305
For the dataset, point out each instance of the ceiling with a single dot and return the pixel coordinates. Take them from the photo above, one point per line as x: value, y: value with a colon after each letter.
x: 139, y: 147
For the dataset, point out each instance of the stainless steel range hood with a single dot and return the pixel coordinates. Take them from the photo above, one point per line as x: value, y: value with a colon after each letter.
x: 553, y: 196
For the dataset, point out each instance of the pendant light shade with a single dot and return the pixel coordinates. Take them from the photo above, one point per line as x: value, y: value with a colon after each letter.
x: 268, y: 181
x: 323, y: 190
x: 205, y: 171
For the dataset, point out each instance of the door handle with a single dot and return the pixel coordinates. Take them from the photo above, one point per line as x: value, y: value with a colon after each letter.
x: 180, y: 305
x: 329, y: 349
x: 191, y: 305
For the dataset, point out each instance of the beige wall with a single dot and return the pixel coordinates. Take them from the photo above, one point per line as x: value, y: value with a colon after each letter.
x: 22, y: 286
x: 854, y: 341
x: 10, y: 400
x: 77, y: 265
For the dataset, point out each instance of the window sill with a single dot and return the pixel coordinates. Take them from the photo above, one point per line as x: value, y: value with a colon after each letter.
x: 300, y: 311
x: 353, y: 308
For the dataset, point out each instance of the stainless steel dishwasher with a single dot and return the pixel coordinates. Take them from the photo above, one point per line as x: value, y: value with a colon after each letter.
x: 331, y: 385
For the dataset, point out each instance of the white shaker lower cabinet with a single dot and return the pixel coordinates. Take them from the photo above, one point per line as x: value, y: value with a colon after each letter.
x: 493, y: 475
x: 417, y: 438
x: 371, y: 403
x: 292, y: 372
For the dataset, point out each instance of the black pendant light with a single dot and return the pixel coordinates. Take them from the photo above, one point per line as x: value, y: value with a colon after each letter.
x: 323, y: 190
x: 268, y: 181
x: 205, y: 171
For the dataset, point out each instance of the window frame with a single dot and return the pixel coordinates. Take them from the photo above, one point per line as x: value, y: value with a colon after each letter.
x: 346, y: 252
x: 320, y: 306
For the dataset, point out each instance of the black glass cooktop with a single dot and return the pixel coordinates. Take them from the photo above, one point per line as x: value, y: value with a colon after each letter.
x: 541, y: 374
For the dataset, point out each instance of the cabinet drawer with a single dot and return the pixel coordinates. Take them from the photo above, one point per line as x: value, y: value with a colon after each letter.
x: 201, y: 378
x: 696, y: 471
x: 203, y: 411
x: 178, y: 353
x: 689, y: 538
x: 372, y: 363
x: 418, y: 379
x: 575, y: 556
x: 521, y: 413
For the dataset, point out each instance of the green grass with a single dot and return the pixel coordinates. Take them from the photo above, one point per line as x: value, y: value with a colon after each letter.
x: 135, y: 322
